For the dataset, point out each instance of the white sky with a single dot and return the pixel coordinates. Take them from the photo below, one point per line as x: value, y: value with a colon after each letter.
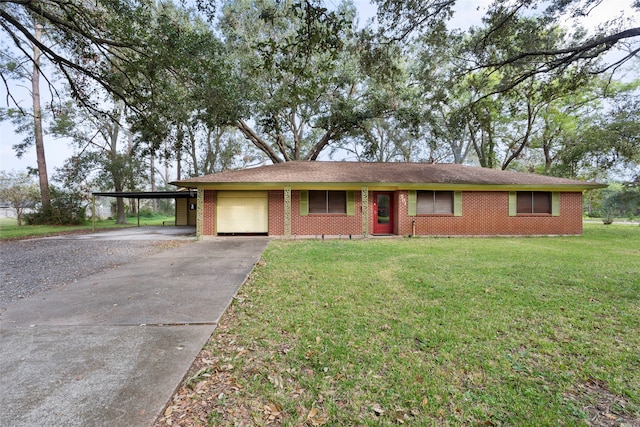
x: 469, y: 12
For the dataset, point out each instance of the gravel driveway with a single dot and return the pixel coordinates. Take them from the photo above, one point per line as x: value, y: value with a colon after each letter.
x: 31, y: 266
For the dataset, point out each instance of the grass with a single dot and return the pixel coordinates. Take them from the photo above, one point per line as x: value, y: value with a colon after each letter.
x: 9, y: 227
x: 430, y: 331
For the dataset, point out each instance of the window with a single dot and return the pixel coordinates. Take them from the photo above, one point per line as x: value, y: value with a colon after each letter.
x: 533, y: 202
x: 434, y: 202
x: 327, y: 202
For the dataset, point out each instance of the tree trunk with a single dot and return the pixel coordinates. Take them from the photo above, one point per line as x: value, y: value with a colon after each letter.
x: 179, y: 144
x: 260, y: 143
x: 121, y: 214
x: 153, y: 179
x: 116, y: 169
x: 524, y: 141
x: 193, y: 151
x: 45, y: 194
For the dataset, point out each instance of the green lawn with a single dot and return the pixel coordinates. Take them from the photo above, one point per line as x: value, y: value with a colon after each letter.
x: 9, y: 227
x: 430, y: 331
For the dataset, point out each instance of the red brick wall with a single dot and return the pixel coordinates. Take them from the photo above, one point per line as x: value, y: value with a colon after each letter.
x: 209, y: 213
x: 483, y: 213
x: 487, y: 213
x: 330, y: 224
x: 276, y: 213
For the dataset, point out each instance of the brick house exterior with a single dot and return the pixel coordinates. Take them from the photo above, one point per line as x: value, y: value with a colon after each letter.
x: 360, y: 199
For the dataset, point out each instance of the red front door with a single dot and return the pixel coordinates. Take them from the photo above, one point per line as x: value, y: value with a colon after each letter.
x: 383, y: 213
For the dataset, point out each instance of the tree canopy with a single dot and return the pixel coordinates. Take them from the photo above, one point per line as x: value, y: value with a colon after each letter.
x: 502, y: 22
x: 86, y: 42
x: 218, y: 85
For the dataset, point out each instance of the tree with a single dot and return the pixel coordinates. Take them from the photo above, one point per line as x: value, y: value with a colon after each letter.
x: 43, y: 176
x: 97, y: 48
x: 617, y: 201
x: 29, y: 68
x: 444, y: 96
x: 608, y: 140
x: 388, y: 120
x: 87, y: 41
x: 379, y: 140
x: 299, y: 72
x: 19, y: 190
x: 518, y: 128
x: 103, y: 159
x: 189, y: 93
x: 67, y: 208
x: 217, y: 149
x: 400, y: 19
x: 580, y: 51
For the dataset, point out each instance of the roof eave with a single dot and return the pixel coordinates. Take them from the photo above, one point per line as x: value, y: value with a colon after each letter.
x: 381, y: 186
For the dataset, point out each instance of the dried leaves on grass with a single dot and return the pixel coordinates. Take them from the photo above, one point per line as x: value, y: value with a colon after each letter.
x: 212, y: 392
x: 606, y: 409
x: 471, y: 340
x: 210, y: 388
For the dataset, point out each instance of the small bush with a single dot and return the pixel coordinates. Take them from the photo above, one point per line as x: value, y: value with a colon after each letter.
x: 66, y: 209
x: 147, y: 213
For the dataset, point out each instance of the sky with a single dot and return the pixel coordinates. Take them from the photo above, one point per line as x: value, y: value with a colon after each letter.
x: 468, y: 12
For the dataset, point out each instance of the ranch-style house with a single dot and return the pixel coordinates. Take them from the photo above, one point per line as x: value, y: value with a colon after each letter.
x: 361, y: 199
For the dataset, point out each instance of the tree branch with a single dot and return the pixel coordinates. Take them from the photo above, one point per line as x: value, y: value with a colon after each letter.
x: 573, y: 54
x: 319, y: 146
x: 261, y: 144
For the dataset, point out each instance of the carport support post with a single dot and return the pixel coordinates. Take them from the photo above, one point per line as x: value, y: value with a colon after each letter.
x: 93, y: 211
x: 138, y: 211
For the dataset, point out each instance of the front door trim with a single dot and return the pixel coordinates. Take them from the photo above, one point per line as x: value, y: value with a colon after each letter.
x: 383, y: 212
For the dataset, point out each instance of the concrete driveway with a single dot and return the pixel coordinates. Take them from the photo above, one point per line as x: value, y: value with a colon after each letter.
x: 111, y: 348
x: 137, y: 233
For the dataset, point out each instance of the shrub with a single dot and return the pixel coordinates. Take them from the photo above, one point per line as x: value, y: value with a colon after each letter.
x: 67, y: 208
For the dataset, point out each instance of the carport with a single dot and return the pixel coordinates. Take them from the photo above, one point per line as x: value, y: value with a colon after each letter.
x: 188, y: 197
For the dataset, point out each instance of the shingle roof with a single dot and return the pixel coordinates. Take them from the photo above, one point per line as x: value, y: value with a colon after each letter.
x: 353, y: 172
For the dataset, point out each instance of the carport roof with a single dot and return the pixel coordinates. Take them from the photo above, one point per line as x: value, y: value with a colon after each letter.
x: 148, y: 194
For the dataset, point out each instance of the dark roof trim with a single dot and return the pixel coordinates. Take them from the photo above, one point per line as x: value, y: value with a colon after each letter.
x: 149, y: 194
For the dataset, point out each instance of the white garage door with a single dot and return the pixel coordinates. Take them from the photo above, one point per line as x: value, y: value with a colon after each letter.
x: 243, y: 212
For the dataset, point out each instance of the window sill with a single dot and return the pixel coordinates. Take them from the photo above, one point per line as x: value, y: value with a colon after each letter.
x: 435, y: 215
x: 533, y: 214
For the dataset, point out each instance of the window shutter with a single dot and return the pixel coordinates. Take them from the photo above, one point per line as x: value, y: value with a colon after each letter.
x: 351, y: 203
x: 513, y: 203
x: 412, y: 201
x: 555, y: 204
x: 304, y: 202
x: 457, y: 203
